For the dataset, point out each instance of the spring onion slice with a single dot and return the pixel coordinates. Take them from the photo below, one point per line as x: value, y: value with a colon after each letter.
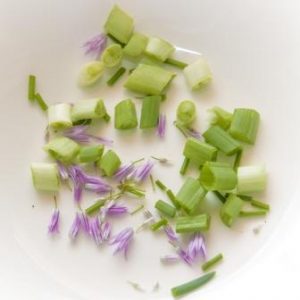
x: 184, y: 166
x: 245, y: 197
x: 244, y: 125
x: 186, y: 112
x: 116, y: 76
x: 219, y: 138
x: 112, y: 55
x: 136, y: 45
x: 149, y: 80
x: 45, y: 176
x: 218, y: 176
x: 150, y: 112
x: 41, y: 102
x: 159, y: 224
x: 95, y: 207
x: 90, y: 73
x: 192, y: 285
x: 260, y: 204
x: 119, y: 24
x: 88, y: 154
x: 231, y: 210
x: 159, y: 48
x: 165, y: 208
x: 197, y: 74
x: 172, y: 198
x: 193, y: 224
x: 251, y: 179
x: 160, y: 185
x: 109, y: 163
x: 212, y: 262
x: 63, y: 149
x: 253, y: 213
x: 199, y: 152
x: 59, y: 116
x: 220, y: 117
x: 175, y: 63
x: 31, y: 87
x: 125, y: 115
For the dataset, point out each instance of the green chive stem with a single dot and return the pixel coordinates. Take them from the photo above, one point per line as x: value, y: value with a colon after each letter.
x: 159, y: 224
x: 260, y: 204
x: 254, y: 213
x: 31, y: 87
x: 161, y: 185
x: 115, y: 77
x: 43, y: 105
x: 175, y: 63
x: 213, y: 261
x: 184, y: 166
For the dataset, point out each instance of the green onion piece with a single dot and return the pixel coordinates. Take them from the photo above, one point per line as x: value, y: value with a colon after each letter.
x: 260, y: 204
x: 219, y: 138
x: 45, y: 176
x: 159, y: 224
x: 136, y: 45
x: 244, y: 125
x: 160, y: 185
x: 151, y: 61
x: 90, y: 154
x: 245, y: 197
x: 186, y: 112
x: 193, y: 224
x: 212, y: 262
x: 116, y: 76
x: 125, y: 115
x: 184, y: 166
x: 251, y: 179
x: 197, y: 74
x: 199, y: 152
x: 63, y: 149
x: 112, y: 55
x: 150, y: 112
x: 149, y: 80
x: 31, y: 87
x: 140, y: 207
x: 88, y: 109
x: 192, y: 285
x: 39, y: 99
x: 219, y: 196
x: 173, y: 199
x: 253, y: 213
x: 109, y: 163
x: 90, y: 73
x: 190, y: 195
x: 175, y: 63
x: 218, y: 176
x: 165, y: 208
x: 237, y: 159
x: 95, y: 207
x: 119, y: 24
x: 220, y: 117
x: 59, y: 116
x: 159, y: 48
x: 231, y: 210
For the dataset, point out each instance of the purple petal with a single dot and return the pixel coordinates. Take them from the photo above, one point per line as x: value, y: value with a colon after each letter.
x: 122, y: 241
x: 77, y: 192
x: 171, y: 234
x: 161, y: 127
x: 170, y: 258
x: 85, y: 223
x: 98, y: 188
x: 124, y: 171
x: 95, y: 45
x: 76, y: 225
x: 185, y: 256
x: 195, y: 247
x: 143, y: 171
x: 63, y: 171
x: 193, y: 133
x: 95, y: 231
x: 53, y: 226
x: 116, y: 210
x: 106, y: 231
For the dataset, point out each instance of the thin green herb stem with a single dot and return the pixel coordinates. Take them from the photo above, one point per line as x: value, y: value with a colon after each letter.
x: 115, y: 77
x: 219, y: 196
x: 213, y: 261
x: 260, y: 204
x: 43, y: 105
x: 160, y: 185
x: 152, y: 183
x: 94, y: 208
x: 31, y: 87
x: 184, y: 166
x: 175, y: 63
x: 245, y: 197
x: 254, y: 213
x: 159, y: 224
x: 165, y: 208
x: 173, y: 199
x: 139, y: 208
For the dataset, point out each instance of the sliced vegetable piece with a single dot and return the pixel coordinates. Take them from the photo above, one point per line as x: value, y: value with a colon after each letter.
x: 159, y: 48
x: 150, y: 112
x: 253, y: 213
x: 175, y: 63
x: 193, y: 224
x: 112, y: 55
x: 41, y: 102
x: 109, y: 163
x: 125, y: 115
x: 160, y: 185
x: 184, y: 166
x: 88, y: 154
x: 90, y: 73
x: 260, y: 204
x: 59, y: 116
x: 212, y: 262
x: 31, y: 87
x: 231, y: 209
x: 220, y: 117
x: 186, y: 112
x: 173, y: 199
x: 113, y: 79
x: 136, y: 45
x: 165, y: 208
x: 159, y: 224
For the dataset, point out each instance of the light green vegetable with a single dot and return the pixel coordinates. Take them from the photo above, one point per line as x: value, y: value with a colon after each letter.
x: 159, y: 48
x: 90, y: 73
x: 150, y: 112
x: 220, y: 117
x: 193, y: 224
x: 231, y: 209
x: 109, y: 163
x: 59, y: 116
x: 165, y: 208
x: 125, y: 115
x: 90, y: 154
x: 186, y: 112
x: 112, y: 55
x: 136, y: 45
x: 212, y: 262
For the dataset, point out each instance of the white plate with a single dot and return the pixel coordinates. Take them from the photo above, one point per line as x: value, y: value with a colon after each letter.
x: 253, y: 48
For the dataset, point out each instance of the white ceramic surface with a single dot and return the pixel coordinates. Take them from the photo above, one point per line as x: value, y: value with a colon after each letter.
x: 253, y: 48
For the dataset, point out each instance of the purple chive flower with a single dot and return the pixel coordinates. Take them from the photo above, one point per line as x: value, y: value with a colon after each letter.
x: 169, y: 258
x: 185, y: 256
x: 161, y: 126
x: 98, y: 188
x: 53, y: 226
x: 124, y: 171
x: 78, y: 134
x: 122, y: 240
x: 76, y: 225
x: 95, y: 231
x: 143, y: 171
x: 95, y: 45
x: 85, y: 223
x: 196, y: 247
x: 114, y: 209
x: 193, y: 133
x: 63, y: 171
x: 171, y: 234
x: 105, y: 231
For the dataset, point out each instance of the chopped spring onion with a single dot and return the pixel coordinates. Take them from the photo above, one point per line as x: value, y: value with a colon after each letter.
x: 59, y: 116
x: 31, y: 87
x: 260, y: 204
x: 159, y: 224
x: 88, y: 109
x: 184, y: 166
x: 193, y: 224
x: 149, y: 80
x: 41, y: 102
x: 231, y: 209
x: 95, y: 207
x: 245, y: 197
x: 186, y: 112
x: 220, y: 196
x: 63, y: 149
x: 199, y: 152
x: 219, y: 138
x: 165, y: 208
x: 109, y: 163
x: 88, y: 154
x: 116, y: 76
x: 237, y: 160
x: 150, y: 112
x: 173, y: 199
x: 112, y: 55
x: 210, y: 263
x: 190, y: 195
x: 45, y: 176
x: 160, y: 185
x: 159, y: 48
x: 197, y: 74
x: 119, y: 24
x: 136, y: 45
x: 175, y: 63
x: 253, y: 213
x: 220, y: 117
x: 125, y: 115
x: 151, y: 61
x: 192, y: 285
x: 218, y: 176
x: 251, y: 179
x: 244, y: 125
x: 90, y: 73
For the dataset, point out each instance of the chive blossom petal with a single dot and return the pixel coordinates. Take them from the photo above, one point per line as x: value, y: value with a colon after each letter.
x: 53, y: 226
x: 95, y: 45
x: 161, y: 126
x: 122, y: 240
